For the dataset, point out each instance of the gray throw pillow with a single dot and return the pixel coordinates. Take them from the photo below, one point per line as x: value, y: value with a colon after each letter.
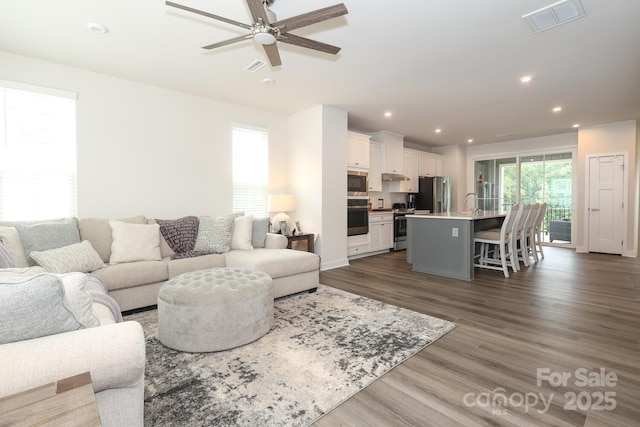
x: 6, y: 260
x: 214, y: 234
x: 32, y: 307
x: 259, y: 232
x: 80, y: 257
x: 47, y: 235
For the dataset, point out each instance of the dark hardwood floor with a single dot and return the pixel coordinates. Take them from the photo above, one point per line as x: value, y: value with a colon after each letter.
x: 572, y: 314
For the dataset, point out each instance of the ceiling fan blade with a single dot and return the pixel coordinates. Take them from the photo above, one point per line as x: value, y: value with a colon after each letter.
x: 227, y: 42
x: 208, y: 15
x: 272, y: 53
x: 257, y: 11
x: 309, y: 18
x: 308, y: 43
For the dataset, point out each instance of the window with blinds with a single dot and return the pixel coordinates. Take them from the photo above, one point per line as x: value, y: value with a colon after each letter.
x: 250, y: 170
x: 37, y: 153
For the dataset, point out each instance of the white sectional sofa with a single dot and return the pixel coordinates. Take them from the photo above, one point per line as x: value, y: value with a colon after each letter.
x: 114, y: 353
x: 135, y: 284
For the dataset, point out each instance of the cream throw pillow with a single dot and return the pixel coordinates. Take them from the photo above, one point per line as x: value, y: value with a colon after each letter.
x: 242, y: 233
x: 134, y: 242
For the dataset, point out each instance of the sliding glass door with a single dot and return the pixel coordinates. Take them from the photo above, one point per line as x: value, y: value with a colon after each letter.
x: 535, y: 178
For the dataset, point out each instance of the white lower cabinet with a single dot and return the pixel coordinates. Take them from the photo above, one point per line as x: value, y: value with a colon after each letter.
x: 380, y: 231
x: 379, y: 238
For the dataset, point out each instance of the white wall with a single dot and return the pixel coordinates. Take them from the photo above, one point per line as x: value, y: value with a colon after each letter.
x: 612, y: 138
x: 147, y: 150
x: 318, y: 177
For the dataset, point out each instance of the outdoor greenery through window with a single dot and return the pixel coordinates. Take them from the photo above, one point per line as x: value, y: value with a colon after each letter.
x: 250, y: 170
x: 37, y: 153
x: 539, y: 178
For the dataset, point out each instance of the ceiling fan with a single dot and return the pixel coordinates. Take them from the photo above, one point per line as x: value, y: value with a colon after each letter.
x: 266, y: 32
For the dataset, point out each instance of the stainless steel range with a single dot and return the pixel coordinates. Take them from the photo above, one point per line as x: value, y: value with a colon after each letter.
x: 400, y: 212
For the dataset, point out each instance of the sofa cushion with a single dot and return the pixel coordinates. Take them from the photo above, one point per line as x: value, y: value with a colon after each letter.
x: 176, y: 267
x: 180, y: 234
x: 241, y: 233
x: 131, y: 274
x: 214, y: 234
x: 47, y: 235
x: 98, y: 232
x: 134, y: 242
x: 275, y: 262
x: 77, y: 257
x: 259, y: 230
x: 79, y: 299
x: 22, y: 271
x: 32, y: 307
x: 6, y: 259
x: 11, y: 240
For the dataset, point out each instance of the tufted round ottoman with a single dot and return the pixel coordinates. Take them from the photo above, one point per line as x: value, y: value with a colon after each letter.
x: 216, y: 309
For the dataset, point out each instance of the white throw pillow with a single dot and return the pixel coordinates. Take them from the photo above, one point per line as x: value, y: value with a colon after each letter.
x: 77, y: 257
x: 242, y: 233
x: 134, y: 242
x: 79, y: 300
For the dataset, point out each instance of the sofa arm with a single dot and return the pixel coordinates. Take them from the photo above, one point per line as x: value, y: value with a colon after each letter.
x: 276, y: 241
x: 113, y: 354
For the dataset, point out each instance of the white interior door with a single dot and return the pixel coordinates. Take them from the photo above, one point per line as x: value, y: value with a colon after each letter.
x: 605, y: 206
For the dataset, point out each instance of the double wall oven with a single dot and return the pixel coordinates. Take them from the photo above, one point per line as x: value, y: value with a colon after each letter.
x: 357, y: 203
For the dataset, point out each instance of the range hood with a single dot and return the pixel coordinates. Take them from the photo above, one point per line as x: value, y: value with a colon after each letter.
x: 394, y: 177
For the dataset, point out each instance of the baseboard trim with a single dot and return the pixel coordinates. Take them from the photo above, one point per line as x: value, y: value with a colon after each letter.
x: 334, y: 264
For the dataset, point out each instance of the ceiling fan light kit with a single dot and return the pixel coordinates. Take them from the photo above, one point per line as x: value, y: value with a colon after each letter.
x: 266, y: 30
x: 264, y: 35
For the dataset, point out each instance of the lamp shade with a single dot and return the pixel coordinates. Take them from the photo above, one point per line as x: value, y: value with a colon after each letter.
x: 282, y: 203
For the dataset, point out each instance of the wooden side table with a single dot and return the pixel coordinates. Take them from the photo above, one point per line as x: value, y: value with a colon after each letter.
x: 67, y: 402
x: 308, y: 237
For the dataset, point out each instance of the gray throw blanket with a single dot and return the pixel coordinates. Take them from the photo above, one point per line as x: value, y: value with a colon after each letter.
x: 96, y: 288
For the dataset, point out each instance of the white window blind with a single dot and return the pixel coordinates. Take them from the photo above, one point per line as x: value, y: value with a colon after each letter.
x: 37, y: 153
x: 250, y: 170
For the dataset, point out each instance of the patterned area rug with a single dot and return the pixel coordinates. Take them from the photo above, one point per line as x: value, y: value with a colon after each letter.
x: 323, y: 348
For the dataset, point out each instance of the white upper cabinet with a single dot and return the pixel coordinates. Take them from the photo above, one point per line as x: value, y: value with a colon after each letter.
x: 392, y: 146
x: 429, y: 164
x: 375, y: 166
x: 410, y: 170
x: 357, y: 150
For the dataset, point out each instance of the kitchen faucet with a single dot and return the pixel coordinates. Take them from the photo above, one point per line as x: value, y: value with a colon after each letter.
x: 475, y: 205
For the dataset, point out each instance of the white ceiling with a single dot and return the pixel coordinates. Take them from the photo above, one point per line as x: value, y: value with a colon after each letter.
x: 449, y: 64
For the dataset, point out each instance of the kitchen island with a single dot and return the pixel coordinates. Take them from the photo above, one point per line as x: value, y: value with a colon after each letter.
x: 443, y: 244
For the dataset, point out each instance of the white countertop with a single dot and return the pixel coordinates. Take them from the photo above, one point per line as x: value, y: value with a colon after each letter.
x: 470, y: 216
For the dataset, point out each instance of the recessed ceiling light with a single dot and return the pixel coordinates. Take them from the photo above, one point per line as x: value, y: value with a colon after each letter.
x: 526, y: 79
x: 387, y: 114
x: 576, y: 125
x: 469, y: 141
x: 557, y: 109
x: 438, y: 130
x: 97, y: 28
x: 268, y: 81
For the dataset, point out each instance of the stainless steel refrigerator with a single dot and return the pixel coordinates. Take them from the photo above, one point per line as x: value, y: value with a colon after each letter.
x: 434, y: 194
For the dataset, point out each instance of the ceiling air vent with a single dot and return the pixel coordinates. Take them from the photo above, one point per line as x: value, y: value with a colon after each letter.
x: 554, y: 15
x: 255, y: 66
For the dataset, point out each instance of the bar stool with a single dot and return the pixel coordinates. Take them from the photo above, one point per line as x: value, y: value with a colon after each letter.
x: 500, y: 239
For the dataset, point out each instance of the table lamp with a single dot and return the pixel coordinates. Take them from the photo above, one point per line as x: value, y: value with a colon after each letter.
x: 281, y: 203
